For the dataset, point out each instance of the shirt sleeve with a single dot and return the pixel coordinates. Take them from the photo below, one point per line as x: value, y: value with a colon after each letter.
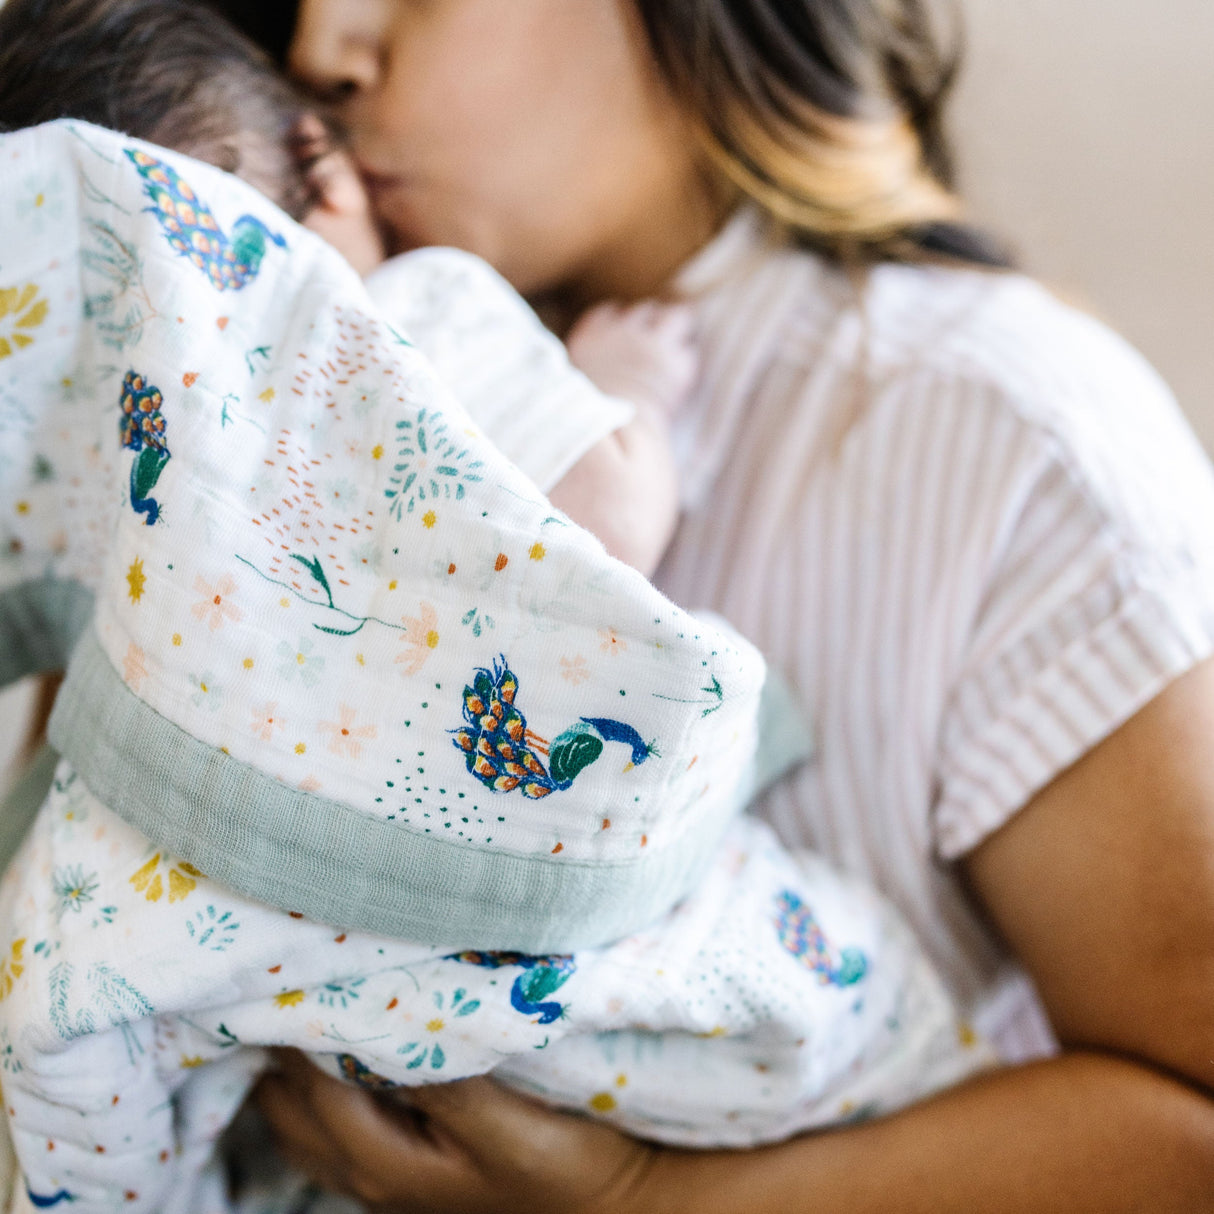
x: 493, y: 353
x: 1101, y: 595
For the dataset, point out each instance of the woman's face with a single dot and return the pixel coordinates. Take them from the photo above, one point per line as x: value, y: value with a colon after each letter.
x: 536, y: 133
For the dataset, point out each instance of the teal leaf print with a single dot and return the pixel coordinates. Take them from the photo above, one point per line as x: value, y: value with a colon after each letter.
x: 430, y: 464
x: 317, y: 572
x: 478, y: 621
x: 420, y: 1053
x: 211, y: 930
x: 339, y: 994
x: 73, y: 887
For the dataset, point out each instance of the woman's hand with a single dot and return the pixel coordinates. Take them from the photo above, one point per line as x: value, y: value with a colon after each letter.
x: 460, y: 1148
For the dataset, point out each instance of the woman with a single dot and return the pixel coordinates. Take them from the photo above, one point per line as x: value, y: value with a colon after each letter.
x: 965, y: 522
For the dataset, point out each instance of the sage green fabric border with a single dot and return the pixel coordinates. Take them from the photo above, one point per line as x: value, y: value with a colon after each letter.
x: 21, y: 804
x: 336, y: 865
x: 40, y: 622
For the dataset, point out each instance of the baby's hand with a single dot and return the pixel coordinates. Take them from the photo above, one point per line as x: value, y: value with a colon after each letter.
x: 646, y: 353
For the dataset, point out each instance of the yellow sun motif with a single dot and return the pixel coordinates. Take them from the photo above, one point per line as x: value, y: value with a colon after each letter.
x: 136, y: 580
x: 289, y: 998
x: 268, y: 395
x: 434, y: 1026
x: 247, y: 663
x: 27, y: 312
x: 12, y: 967
x: 377, y: 452
x: 429, y: 519
x: 538, y: 552
x: 182, y: 879
x: 300, y: 748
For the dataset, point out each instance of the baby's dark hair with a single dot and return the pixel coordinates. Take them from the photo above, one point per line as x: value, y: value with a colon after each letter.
x: 173, y: 72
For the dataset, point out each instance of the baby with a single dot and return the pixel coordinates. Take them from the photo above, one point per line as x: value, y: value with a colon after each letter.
x: 183, y: 78
x: 733, y: 1018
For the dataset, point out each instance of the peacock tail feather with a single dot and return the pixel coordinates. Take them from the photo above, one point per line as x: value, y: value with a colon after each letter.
x: 504, y: 755
x: 142, y: 429
x: 802, y: 936
x: 193, y: 231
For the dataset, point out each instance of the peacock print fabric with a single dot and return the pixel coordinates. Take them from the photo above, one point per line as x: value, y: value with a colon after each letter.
x: 366, y: 748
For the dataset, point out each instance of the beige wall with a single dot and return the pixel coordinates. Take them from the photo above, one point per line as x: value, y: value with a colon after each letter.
x: 1086, y: 133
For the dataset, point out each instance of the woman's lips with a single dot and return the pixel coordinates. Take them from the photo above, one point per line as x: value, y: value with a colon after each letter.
x: 393, y: 196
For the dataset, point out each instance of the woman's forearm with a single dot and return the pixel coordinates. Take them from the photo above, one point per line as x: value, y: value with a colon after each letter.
x: 1082, y: 1132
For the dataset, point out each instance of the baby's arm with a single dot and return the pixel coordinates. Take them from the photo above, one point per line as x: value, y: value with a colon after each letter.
x: 625, y: 488
x: 602, y: 455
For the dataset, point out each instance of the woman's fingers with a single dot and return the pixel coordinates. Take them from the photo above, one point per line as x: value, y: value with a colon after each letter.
x: 459, y: 1148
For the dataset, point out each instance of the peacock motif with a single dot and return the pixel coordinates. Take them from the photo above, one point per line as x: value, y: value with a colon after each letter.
x: 541, y: 977
x: 142, y: 430
x: 193, y: 231
x: 503, y: 754
x: 802, y: 936
x: 359, y: 1073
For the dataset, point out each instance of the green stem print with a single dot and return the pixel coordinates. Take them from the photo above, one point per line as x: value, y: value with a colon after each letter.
x: 317, y: 574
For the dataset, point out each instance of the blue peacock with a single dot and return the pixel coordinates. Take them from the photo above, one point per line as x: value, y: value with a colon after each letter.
x: 193, y: 231
x: 541, y: 977
x: 801, y: 934
x: 503, y: 754
x: 142, y: 430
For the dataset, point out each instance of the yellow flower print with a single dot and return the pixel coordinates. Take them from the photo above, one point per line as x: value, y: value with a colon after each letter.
x: 289, y: 998
x: 216, y: 604
x: 538, y: 551
x: 136, y: 579
x: 420, y: 637
x: 11, y: 968
x: 20, y: 311
x: 182, y: 879
x: 343, y: 736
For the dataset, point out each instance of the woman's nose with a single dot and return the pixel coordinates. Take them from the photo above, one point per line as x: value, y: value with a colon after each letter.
x: 330, y: 53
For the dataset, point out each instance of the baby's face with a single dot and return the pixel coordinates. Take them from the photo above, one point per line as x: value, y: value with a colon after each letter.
x: 342, y: 212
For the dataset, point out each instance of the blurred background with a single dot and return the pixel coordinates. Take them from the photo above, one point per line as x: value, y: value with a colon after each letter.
x: 1085, y: 135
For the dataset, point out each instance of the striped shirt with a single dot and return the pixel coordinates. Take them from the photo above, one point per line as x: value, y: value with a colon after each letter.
x: 972, y: 530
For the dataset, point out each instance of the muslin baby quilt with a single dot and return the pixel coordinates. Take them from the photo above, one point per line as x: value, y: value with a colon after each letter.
x: 367, y: 749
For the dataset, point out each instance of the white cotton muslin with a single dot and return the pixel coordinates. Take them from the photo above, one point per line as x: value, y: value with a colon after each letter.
x: 341, y: 646
x: 367, y: 749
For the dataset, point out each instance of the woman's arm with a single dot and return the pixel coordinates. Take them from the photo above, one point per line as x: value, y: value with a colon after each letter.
x: 1104, y: 885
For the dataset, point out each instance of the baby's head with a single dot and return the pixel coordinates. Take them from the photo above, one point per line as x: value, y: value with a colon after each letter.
x: 177, y: 74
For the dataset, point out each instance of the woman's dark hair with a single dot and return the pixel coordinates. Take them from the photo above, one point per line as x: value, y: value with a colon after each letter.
x: 173, y: 72
x: 828, y: 114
